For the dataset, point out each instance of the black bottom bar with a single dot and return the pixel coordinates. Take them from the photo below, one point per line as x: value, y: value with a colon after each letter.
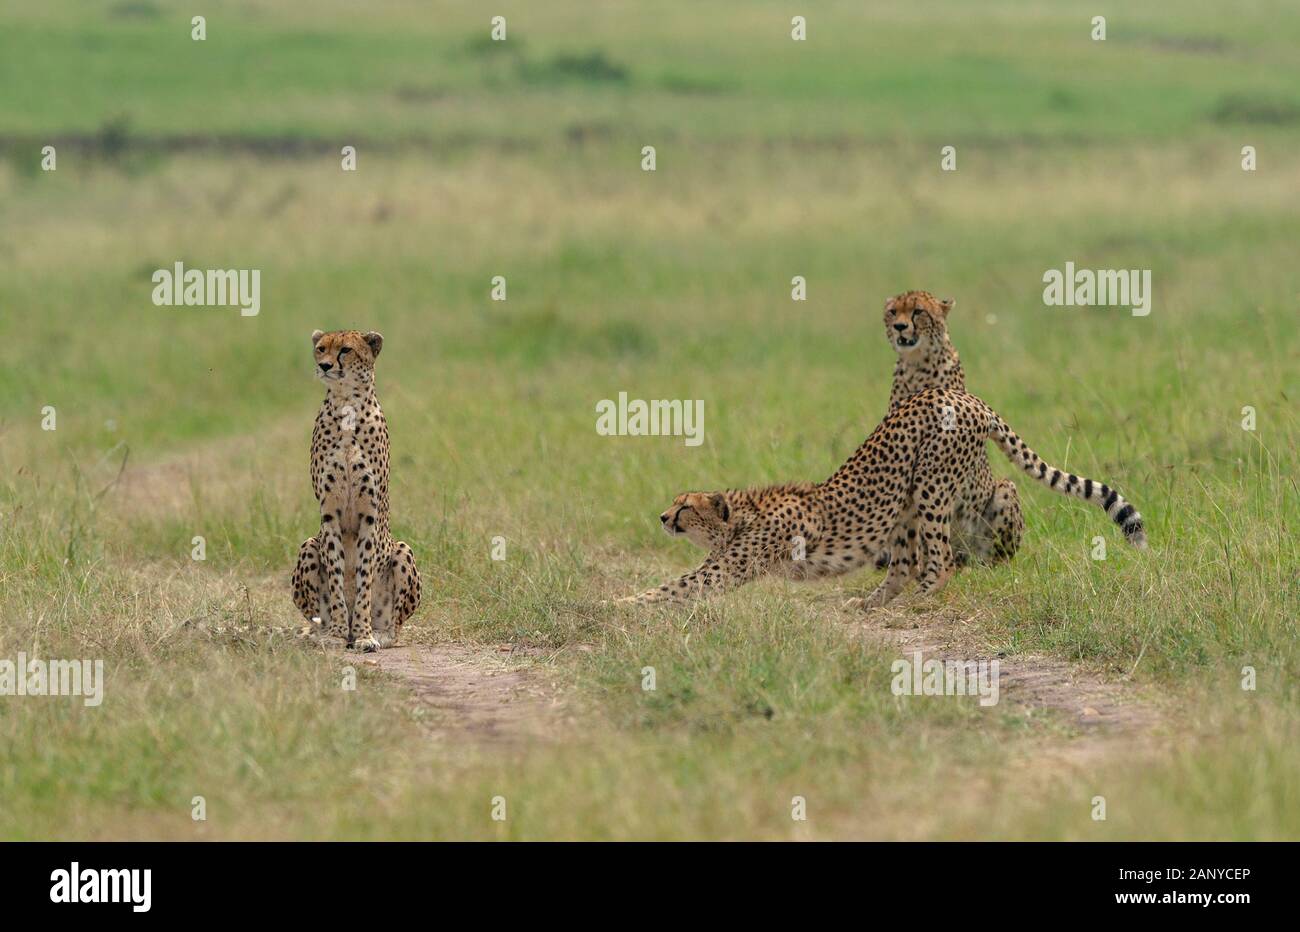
x: 336, y: 881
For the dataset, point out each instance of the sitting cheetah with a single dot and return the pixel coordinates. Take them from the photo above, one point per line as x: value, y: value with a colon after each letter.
x: 986, y: 521
x: 352, y: 575
x: 906, y: 478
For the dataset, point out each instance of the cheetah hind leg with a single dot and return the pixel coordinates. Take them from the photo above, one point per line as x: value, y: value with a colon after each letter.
x: 407, y: 591
x: 310, y: 594
x: 993, y: 534
x: 305, y: 584
x: 397, y: 594
x: 1006, y: 524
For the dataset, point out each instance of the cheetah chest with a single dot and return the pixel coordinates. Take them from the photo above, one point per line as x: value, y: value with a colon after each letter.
x: 350, y: 463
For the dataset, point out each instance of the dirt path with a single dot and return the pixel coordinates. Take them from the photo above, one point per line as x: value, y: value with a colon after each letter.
x: 486, y: 696
x: 213, y: 471
x: 1033, y: 683
x: 497, y: 697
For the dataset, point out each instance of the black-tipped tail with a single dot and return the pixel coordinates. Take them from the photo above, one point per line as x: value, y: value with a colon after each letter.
x: 1122, y: 512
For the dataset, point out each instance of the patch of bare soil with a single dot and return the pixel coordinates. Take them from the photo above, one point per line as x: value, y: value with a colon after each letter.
x: 484, y: 695
x: 225, y: 469
x: 1033, y: 683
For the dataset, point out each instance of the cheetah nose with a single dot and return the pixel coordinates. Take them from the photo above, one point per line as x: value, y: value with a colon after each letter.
x: 326, y: 366
x: 900, y: 327
x: 663, y: 518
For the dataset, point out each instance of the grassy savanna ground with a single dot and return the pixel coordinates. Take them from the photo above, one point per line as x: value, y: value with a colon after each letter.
x: 775, y: 159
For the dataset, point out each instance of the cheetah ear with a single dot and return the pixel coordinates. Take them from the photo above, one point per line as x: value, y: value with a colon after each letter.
x: 316, y: 335
x: 947, y: 305
x: 889, y: 305
x: 375, y: 341
x: 720, y: 505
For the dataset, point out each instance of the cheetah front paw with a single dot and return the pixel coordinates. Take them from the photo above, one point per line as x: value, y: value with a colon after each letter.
x: 875, y: 599
x: 310, y: 629
x: 365, y: 645
x: 862, y: 603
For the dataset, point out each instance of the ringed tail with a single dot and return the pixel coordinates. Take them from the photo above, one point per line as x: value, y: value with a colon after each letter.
x: 1109, y: 500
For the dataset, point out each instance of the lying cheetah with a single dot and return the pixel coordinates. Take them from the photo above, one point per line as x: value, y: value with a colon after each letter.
x: 906, y: 478
x: 986, y: 521
x: 352, y: 575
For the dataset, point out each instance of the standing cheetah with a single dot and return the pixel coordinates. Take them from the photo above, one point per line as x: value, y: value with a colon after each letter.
x: 906, y: 478
x: 987, y: 524
x: 352, y: 575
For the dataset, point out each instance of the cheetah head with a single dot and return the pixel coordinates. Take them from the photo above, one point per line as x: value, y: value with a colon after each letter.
x: 915, y: 319
x: 346, y: 358
x: 702, y: 517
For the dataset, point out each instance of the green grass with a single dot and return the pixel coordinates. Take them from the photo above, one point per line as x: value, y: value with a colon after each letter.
x: 774, y: 159
x: 400, y: 71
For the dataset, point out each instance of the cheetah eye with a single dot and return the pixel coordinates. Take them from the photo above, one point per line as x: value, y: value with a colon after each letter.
x: 346, y: 349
